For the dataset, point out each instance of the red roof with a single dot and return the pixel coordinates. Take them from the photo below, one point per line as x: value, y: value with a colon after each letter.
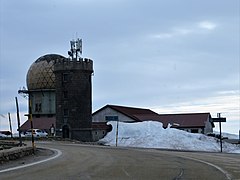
x: 137, y: 114
x: 183, y: 120
x: 39, y: 123
x: 100, y: 126
x: 46, y: 123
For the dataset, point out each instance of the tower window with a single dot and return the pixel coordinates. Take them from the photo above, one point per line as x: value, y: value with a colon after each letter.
x: 65, y: 94
x: 65, y: 112
x: 65, y: 77
x: 38, y: 107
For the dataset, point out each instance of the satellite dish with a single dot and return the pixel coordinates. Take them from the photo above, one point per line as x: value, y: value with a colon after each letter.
x: 69, y: 53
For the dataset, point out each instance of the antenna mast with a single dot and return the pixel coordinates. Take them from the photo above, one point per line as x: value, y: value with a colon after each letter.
x: 76, y: 49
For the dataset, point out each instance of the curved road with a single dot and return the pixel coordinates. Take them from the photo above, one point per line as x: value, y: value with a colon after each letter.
x: 100, y: 162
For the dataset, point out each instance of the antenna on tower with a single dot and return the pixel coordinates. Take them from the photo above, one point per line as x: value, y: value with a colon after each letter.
x: 76, y: 49
x: 23, y: 92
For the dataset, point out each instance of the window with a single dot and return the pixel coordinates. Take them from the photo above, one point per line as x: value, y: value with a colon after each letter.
x: 65, y: 112
x: 38, y: 107
x: 65, y: 77
x: 65, y: 94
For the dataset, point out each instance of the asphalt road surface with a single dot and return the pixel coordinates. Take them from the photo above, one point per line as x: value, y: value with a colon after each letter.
x: 76, y: 161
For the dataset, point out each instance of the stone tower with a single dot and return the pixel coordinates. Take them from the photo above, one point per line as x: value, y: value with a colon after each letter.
x: 73, y: 87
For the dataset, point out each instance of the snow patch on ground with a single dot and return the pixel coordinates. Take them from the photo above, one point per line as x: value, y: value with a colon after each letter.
x: 151, y: 134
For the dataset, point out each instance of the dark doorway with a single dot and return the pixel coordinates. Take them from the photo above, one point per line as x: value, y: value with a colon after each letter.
x: 65, y: 131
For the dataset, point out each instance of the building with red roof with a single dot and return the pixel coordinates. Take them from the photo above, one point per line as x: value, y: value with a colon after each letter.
x: 191, y: 122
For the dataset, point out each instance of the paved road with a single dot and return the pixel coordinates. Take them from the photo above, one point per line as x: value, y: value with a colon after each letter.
x: 98, y: 162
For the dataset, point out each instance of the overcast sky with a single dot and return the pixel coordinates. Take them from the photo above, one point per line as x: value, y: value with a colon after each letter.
x: 170, y: 56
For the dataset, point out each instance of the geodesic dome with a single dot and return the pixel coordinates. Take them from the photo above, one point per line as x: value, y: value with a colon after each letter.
x: 40, y: 74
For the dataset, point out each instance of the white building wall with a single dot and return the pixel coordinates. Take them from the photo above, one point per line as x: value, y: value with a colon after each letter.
x: 100, y: 116
x: 208, y: 126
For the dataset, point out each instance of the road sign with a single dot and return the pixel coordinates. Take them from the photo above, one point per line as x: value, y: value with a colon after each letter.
x: 111, y: 118
x: 218, y: 120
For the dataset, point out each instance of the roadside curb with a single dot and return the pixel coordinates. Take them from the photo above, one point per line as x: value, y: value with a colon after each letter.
x: 58, y: 153
x: 15, y: 153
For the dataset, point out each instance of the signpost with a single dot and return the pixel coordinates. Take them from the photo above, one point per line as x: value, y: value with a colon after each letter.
x: 113, y: 118
x: 219, y: 119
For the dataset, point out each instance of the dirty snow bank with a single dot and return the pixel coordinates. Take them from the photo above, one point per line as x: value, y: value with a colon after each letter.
x: 151, y: 134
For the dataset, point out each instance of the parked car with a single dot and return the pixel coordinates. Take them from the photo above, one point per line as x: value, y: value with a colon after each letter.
x: 36, y: 133
x: 17, y: 134
x: 2, y: 135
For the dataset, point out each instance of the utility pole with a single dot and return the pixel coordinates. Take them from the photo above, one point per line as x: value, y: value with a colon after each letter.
x: 10, y: 124
x: 239, y: 136
x: 31, y: 122
x: 25, y: 94
x: 18, y: 120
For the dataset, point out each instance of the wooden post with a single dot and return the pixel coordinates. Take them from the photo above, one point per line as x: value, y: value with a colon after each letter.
x: 18, y: 120
x: 31, y: 122
x: 10, y: 124
x: 239, y: 136
x: 117, y: 133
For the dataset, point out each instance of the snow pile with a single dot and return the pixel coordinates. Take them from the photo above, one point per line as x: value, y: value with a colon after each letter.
x: 151, y: 134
